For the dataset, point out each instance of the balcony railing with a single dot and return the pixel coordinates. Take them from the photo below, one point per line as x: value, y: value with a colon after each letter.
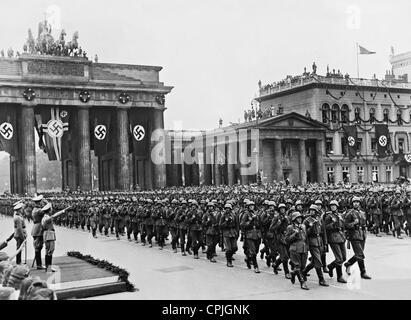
x: 301, y: 81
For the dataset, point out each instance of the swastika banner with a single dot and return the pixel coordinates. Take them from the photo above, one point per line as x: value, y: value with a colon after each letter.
x: 51, y: 124
x: 382, y: 138
x: 8, y: 132
x: 100, y: 130
x: 351, y: 137
x: 140, y: 120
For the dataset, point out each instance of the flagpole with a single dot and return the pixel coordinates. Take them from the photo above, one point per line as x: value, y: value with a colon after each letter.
x: 358, y: 65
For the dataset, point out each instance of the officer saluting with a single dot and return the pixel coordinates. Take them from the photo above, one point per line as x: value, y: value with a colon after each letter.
x: 49, y: 234
x: 37, y: 231
x: 356, y: 224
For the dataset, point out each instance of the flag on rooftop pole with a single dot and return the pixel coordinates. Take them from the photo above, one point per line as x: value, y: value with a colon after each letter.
x: 365, y: 51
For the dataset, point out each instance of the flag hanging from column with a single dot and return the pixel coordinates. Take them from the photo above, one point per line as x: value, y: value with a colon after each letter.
x: 350, y: 133
x: 140, y: 120
x: 382, y: 137
x: 51, y: 125
x: 100, y: 120
x: 8, y: 129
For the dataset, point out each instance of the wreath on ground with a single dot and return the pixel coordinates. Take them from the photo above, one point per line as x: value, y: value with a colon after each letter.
x: 122, y: 274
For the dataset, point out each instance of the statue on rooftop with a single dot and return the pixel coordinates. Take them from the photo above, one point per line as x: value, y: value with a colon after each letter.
x: 314, y: 68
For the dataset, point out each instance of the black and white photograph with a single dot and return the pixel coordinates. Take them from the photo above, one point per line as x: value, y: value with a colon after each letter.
x: 223, y: 151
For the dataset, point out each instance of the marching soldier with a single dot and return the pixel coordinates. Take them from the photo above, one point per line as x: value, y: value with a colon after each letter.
x: 279, y: 226
x: 210, y: 227
x: 173, y: 224
x: 159, y: 215
x: 296, y: 237
x: 356, y: 225
x: 407, y: 211
x: 374, y: 212
x: 229, y: 225
x: 266, y: 219
x: 182, y: 220
x: 252, y: 225
x: 313, y: 226
x: 334, y: 224
x: 397, y: 214
x: 195, y: 228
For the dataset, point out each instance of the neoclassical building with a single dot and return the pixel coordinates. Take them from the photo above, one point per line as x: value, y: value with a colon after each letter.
x: 335, y: 101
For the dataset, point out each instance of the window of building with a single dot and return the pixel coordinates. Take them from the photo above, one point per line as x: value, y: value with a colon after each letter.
x: 330, y: 174
x: 360, y: 174
x: 401, y: 143
x: 359, y: 145
x: 344, y: 147
x: 399, y: 117
x: 388, y: 175
x: 372, y: 115
x: 374, y: 173
x: 335, y: 110
x: 325, y: 113
x: 280, y: 110
x: 373, y: 145
x: 329, y: 145
x: 386, y: 113
x: 357, y: 115
x: 346, y: 174
x: 344, y: 113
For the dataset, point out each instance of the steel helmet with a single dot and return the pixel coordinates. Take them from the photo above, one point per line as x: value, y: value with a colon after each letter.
x: 295, y: 215
x: 334, y: 202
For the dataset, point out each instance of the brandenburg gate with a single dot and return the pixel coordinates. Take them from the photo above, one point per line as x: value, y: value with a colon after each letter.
x: 76, y: 106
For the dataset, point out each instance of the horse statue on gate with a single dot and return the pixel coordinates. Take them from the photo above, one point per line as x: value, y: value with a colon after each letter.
x: 73, y: 46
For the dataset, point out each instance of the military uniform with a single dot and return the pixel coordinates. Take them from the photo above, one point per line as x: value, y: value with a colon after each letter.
x: 251, y: 224
x: 334, y: 224
x: 356, y: 226
x: 211, y: 231
x: 229, y: 226
x: 279, y: 226
x: 19, y: 229
x: 296, y: 237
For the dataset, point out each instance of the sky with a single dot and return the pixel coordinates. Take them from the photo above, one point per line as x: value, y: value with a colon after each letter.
x: 214, y: 52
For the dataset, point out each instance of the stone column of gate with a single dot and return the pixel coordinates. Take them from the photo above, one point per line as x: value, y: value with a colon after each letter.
x: 232, y: 155
x: 302, y: 161
x: 217, y: 172
x: 319, y: 160
x: 28, y: 154
x: 206, y: 161
x: 278, y: 167
x: 122, y: 154
x: 159, y: 169
x: 84, y: 148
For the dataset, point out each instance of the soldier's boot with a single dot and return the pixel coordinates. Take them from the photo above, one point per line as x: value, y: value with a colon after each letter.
x: 268, y: 259
x: 229, y: 257
x: 307, y: 269
x: 324, y: 263
x: 302, y: 281
x: 247, y: 261
x: 196, y: 256
x: 340, y: 277
x: 377, y: 232
x: 49, y: 263
x: 262, y: 251
x: 399, y: 233
x: 256, y: 269
x: 348, y: 264
x: 364, y: 274
x: 292, y: 265
x: 37, y: 257
x: 293, y: 274
x: 286, y: 271
x: 331, y: 267
x: 321, y: 280
x: 203, y: 249
x: 276, y: 266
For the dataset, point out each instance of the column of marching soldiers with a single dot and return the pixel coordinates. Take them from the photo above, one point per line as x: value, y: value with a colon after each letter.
x: 288, y: 222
